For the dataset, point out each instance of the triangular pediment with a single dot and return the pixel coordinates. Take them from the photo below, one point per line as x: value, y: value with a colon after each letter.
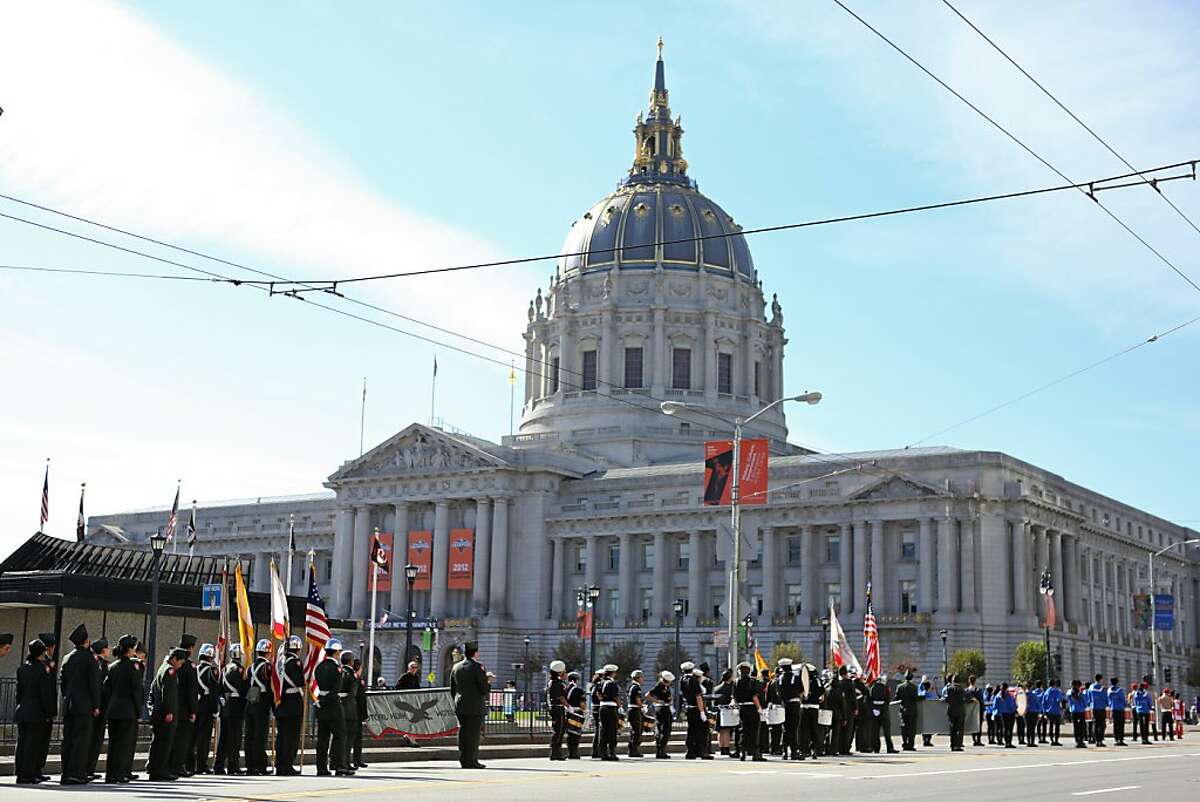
x: 895, y: 487
x: 420, y: 450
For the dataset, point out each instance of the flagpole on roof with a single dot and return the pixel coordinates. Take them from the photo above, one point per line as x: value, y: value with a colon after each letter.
x: 44, y: 515
x: 291, y: 551
x: 433, y: 392
x: 362, y: 421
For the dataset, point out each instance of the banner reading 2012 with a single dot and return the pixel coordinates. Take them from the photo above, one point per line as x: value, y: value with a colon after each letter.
x: 420, y: 554
x: 462, y: 559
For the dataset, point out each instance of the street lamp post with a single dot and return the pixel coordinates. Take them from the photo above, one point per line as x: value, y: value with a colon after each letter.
x: 527, y: 677
x: 735, y: 572
x: 945, y: 663
x: 1047, y: 589
x: 1153, y: 609
x: 593, y: 596
x: 410, y: 576
x: 157, y: 544
x: 678, y: 609
x: 824, y: 622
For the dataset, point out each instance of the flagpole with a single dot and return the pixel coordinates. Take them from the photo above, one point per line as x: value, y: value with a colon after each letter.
x: 433, y: 391
x: 44, y: 509
x: 362, y: 421
x: 512, y: 396
x: 287, y: 585
x: 307, y: 680
x: 371, y: 637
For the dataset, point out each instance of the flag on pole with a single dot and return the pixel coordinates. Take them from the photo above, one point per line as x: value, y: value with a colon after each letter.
x: 245, y: 622
x: 172, y: 519
x: 223, y: 624
x: 191, y: 527
x: 435, y: 365
x: 291, y: 537
x: 870, y: 642
x: 81, y: 522
x: 839, y: 648
x: 759, y: 663
x: 512, y: 374
x: 280, y: 630
x: 583, y: 624
x: 378, y: 552
x: 1049, y: 614
x: 316, y: 625
x: 45, y: 516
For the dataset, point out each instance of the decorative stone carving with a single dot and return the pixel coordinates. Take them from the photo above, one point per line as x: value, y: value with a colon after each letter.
x: 639, y: 287
x: 537, y: 302
x: 776, y: 310
x: 680, y: 289
x: 718, y: 293
x: 895, y: 487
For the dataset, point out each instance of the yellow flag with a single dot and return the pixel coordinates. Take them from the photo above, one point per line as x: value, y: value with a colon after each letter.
x: 245, y: 623
x: 759, y: 662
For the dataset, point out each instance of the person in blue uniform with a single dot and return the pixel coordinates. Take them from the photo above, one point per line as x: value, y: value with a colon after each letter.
x: 989, y: 713
x: 1052, y: 709
x: 1033, y: 711
x: 1077, y: 704
x: 1143, y: 703
x: 1006, y: 709
x: 1098, y: 702
x: 1117, y: 704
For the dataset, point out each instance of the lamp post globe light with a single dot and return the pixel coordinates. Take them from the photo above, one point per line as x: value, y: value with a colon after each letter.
x: 593, y: 596
x: 410, y: 576
x: 157, y: 544
x: 1153, y: 608
x: 735, y: 571
x: 945, y: 663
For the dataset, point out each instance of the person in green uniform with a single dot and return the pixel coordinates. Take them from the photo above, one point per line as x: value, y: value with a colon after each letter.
x: 289, y: 711
x: 80, y: 680
x: 469, y: 688
x: 34, y: 700
x: 331, y: 727
x: 50, y: 658
x: 164, y: 708
x: 102, y: 656
x: 123, y: 692
x: 182, y: 763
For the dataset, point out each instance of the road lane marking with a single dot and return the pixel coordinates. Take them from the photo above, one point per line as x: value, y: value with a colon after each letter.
x: 1106, y: 790
x: 1055, y: 764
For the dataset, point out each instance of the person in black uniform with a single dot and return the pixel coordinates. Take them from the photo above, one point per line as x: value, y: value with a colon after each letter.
x: 633, y: 704
x: 331, y: 726
x: 259, y: 701
x: 182, y: 743
x: 723, y: 698
x: 747, y: 696
x: 347, y: 695
x: 208, y: 684
x: 812, y: 694
x: 610, y: 695
x: 289, y: 711
x: 881, y: 721
x: 80, y: 682
x: 556, y: 698
x: 123, y: 690
x: 691, y: 691
x: 594, y: 700
x: 360, y: 698
x: 789, y: 696
x: 850, y: 710
x: 862, y: 713
x: 956, y: 711
x: 710, y: 723
x: 34, y: 700
x: 164, y: 709
x: 660, y: 695
x: 576, y: 703
x: 6, y: 642
x: 234, y: 687
x: 907, y: 695
x: 101, y: 654
x: 50, y: 658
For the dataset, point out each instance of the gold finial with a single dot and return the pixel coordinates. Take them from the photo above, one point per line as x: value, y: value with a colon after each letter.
x: 660, y: 43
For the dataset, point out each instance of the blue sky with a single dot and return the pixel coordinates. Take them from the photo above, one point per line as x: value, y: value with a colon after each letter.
x: 322, y: 139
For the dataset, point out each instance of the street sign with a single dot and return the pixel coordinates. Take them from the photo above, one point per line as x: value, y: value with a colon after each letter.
x: 1164, y: 611
x: 210, y: 597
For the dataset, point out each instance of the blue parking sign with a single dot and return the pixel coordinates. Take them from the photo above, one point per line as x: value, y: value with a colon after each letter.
x: 210, y: 597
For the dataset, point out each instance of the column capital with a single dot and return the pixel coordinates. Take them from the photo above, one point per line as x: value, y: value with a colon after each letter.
x: 483, y: 500
x: 400, y: 505
x: 501, y: 499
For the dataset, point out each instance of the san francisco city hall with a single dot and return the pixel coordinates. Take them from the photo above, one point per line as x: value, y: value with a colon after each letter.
x: 600, y: 488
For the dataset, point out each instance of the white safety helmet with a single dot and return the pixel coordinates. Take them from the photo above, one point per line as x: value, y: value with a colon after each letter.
x: 207, y: 650
x: 558, y: 666
x: 235, y: 651
x: 636, y: 674
x: 333, y: 645
x: 687, y: 666
x: 666, y: 676
x: 294, y: 643
x: 263, y: 646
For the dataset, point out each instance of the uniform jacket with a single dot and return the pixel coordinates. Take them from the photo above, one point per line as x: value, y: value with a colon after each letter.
x: 102, y: 665
x: 328, y: 676
x: 745, y: 690
x: 469, y: 687
x: 35, y: 693
x: 556, y: 692
x: 189, y: 691
x: 634, y: 694
x: 1141, y: 701
x: 233, y: 691
x: 1116, y: 697
x: 164, y: 694
x: 260, y: 677
x: 661, y: 694
x: 956, y: 700
x: 346, y: 693
x: 880, y: 696
x: 208, y: 684
x: 1097, y: 696
x: 291, y: 704
x: 789, y: 685
x: 1033, y: 700
x: 123, y: 687
x: 360, y: 698
x: 80, y: 678
x: 576, y: 697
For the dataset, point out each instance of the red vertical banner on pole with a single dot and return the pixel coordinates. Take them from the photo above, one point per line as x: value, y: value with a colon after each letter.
x: 718, y: 471
x: 420, y: 554
x: 462, y: 559
x: 383, y: 580
x: 752, y: 465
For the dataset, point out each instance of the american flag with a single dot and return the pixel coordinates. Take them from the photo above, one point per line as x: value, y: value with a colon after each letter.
x: 81, y: 522
x: 45, y: 516
x: 870, y: 643
x: 173, y: 517
x: 191, y: 524
x: 316, y: 625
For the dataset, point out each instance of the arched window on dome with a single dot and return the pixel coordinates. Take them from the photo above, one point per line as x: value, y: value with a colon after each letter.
x: 649, y: 146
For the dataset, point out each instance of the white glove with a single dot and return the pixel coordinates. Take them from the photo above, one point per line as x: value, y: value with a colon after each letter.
x: 875, y: 713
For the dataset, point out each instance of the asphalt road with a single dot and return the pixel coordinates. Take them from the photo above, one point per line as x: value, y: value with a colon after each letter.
x: 1161, y: 772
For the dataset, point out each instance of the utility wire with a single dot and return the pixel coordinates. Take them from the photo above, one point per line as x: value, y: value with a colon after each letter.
x: 1023, y: 146
x: 108, y: 273
x: 1070, y: 113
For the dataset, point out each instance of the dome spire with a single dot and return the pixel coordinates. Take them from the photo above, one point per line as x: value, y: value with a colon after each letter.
x: 660, y: 81
x: 658, y: 140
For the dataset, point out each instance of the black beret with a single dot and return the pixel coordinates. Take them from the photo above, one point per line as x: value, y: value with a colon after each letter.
x: 78, y: 635
x: 36, y: 648
x: 48, y: 638
x: 187, y: 641
x: 178, y: 654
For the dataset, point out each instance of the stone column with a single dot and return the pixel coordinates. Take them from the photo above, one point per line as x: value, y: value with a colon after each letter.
x: 770, y: 573
x: 878, y: 564
x: 483, y: 556
x: 1105, y: 625
x: 659, y: 371
x: 398, y: 598
x: 710, y: 357
x: 993, y: 585
x: 845, y: 576
x: 261, y: 578
x: 441, y: 559
x: 604, y: 368
x: 967, y: 550
x: 697, y: 575
x: 748, y: 359
x: 662, y: 582
x: 592, y: 572
x: 568, y: 379
x: 361, y: 561
x: 947, y: 567
x: 1020, y: 558
x: 811, y: 571
x: 343, y: 560
x: 498, y: 603
x: 1056, y: 570
x: 626, y: 579
x: 860, y: 564
x: 925, y: 592
x: 1070, y: 578
x: 557, y: 582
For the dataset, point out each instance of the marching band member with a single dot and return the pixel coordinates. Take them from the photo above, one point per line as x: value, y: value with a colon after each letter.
x: 661, y: 696
x: 577, y: 705
x: 610, y: 694
x: 812, y: 694
x: 556, y: 697
x: 747, y: 695
x: 633, y: 698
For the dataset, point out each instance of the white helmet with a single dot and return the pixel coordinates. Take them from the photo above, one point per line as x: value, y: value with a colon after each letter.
x: 235, y: 651
x: 785, y: 661
x: 666, y: 676
x: 558, y: 666
x: 333, y: 645
x: 687, y: 666
x: 207, y: 650
x: 636, y: 674
x: 263, y: 646
x: 294, y: 643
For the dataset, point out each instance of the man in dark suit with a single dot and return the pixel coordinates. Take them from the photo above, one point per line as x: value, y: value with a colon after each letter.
x: 182, y: 763
x: 469, y: 688
x: 81, y: 706
x: 908, y: 694
x: 956, y: 710
x: 35, y: 699
x: 102, y: 653
x: 123, y: 692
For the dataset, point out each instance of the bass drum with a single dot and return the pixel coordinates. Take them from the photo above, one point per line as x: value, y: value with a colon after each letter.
x: 1022, y: 703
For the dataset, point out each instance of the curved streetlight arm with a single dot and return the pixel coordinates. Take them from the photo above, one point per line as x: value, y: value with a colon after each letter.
x: 805, y: 398
x: 1153, y: 631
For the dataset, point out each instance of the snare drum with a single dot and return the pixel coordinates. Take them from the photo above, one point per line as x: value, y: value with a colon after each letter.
x: 774, y: 716
x: 825, y: 718
x: 730, y: 717
x: 574, y: 722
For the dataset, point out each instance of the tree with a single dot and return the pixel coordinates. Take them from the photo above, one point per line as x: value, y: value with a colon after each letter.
x: 572, y: 652
x: 786, y: 649
x: 668, y: 659
x: 626, y: 655
x: 970, y: 662
x: 1193, y: 671
x: 1029, y: 662
x: 534, y: 665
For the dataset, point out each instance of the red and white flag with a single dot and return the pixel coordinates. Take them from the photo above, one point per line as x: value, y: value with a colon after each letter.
x: 280, y: 630
x: 870, y: 642
x: 223, y: 625
x: 45, y: 516
x: 839, y: 648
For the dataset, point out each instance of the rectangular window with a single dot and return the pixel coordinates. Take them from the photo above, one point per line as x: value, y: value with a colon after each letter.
x: 647, y: 602
x: 589, y: 370
x: 684, y: 554
x: 725, y: 374
x: 554, y: 375
x: 717, y: 594
x: 633, y: 368
x: 833, y: 595
x: 794, y: 549
x: 681, y: 594
x: 758, y: 379
x: 756, y: 599
x: 681, y: 368
x: 614, y: 557
x: 908, y: 596
x: 833, y: 548
x: 580, y: 559
x: 908, y: 545
x: 648, y: 555
x: 613, y: 603
x: 795, y: 596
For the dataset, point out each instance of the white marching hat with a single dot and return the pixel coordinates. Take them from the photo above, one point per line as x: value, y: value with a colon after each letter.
x: 558, y: 666
x: 610, y: 669
x: 667, y: 675
x: 785, y: 661
x: 697, y: 672
x: 687, y: 666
